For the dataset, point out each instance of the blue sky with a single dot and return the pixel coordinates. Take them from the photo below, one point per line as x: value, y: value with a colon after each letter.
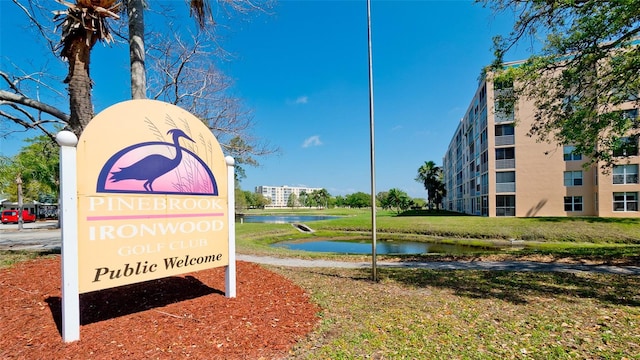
x: 303, y: 71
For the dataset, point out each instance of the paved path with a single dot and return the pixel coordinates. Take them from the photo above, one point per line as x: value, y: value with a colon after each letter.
x: 448, y: 265
x: 41, y: 235
x: 45, y: 236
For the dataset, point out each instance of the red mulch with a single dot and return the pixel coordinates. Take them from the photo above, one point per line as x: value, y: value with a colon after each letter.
x: 171, y: 318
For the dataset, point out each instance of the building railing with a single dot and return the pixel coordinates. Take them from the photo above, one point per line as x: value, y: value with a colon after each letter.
x: 502, y: 117
x: 505, y: 140
x: 505, y: 187
x: 506, y: 164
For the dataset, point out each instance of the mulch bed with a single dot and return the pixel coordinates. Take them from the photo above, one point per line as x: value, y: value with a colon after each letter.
x: 171, y: 318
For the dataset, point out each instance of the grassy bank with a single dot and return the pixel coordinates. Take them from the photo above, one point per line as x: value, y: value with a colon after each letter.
x: 598, y: 239
x: 577, y: 229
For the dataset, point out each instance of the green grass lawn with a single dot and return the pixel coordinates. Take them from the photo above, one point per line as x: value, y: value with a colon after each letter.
x: 430, y: 314
x: 435, y: 314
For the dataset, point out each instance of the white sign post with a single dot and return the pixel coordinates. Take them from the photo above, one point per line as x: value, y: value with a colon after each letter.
x: 230, y: 273
x: 68, y: 220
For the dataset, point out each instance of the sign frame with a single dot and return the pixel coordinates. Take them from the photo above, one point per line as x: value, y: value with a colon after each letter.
x: 73, y: 211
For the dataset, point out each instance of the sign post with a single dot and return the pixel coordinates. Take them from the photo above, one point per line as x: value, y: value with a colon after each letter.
x: 230, y: 272
x: 69, y: 223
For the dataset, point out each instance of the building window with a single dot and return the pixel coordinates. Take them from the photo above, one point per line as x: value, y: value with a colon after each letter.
x: 505, y: 177
x: 505, y: 158
x: 503, y: 130
x: 570, y: 154
x: 505, y: 153
x: 505, y: 205
x: 626, y: 146
x: 573, y: 203
x: 504, y: 135
x: 573, y: 178
x: 625, y: 201
x: 625, y: 174
x: 506, y: 181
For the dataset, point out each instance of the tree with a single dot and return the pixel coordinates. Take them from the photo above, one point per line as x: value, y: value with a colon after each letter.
x: 319, y: 198
x: 398, y: 199
x: 199, y: 9
x: 358, y: 200
x: 292, y: 201
x: 135, y: 13
x: 241, y: 199
x: 303, y: 198
x: 420, y: 203
x: 382, y: 200
x: 431, y: 177
x: 36, y: 165
x: 262, y: 201
x: 441, y: 191
x: 183, y: 74
x: 82, y: 25
x: 23, y: 102
x: 587, y: 70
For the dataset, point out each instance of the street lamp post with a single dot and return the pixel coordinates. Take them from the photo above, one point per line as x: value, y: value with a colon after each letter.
x: 20, y: 204
x: 374, y: 272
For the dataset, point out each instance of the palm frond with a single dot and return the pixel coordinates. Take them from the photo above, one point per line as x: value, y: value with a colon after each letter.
x: 86, y: 19
x: 201, y: 10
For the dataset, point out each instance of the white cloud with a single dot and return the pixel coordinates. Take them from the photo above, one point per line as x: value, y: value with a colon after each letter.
x: 299, y: 100
x: 312, y: 141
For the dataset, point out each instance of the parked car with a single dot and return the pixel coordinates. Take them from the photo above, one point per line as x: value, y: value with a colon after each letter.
x: 11, y: 216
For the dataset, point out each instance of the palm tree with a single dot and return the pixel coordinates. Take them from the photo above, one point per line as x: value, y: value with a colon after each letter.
x: 441, y: 190
x: 430, y: 176
x: 320, y: 197
x: 135, y: 12
x: 82, y: 25
x: 398, y: 199
x: 200, y: 9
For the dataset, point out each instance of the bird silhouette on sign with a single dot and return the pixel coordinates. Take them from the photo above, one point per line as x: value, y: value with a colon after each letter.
x: 153, y: 166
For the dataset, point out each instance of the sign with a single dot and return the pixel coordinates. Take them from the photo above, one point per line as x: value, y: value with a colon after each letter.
x: 152, y: 196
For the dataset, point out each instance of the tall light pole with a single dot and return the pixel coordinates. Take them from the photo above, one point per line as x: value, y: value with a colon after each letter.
x: 20, y: 202
x: 374, y: 272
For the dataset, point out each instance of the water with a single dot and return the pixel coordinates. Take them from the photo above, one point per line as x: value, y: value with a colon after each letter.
x: 284, y: 219
x: 382, y: 247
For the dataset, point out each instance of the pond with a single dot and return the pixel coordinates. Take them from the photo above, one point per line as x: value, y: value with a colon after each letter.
x: 382, y: 247
x: 283, y: 219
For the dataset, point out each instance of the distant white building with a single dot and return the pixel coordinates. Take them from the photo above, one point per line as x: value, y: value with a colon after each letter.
x: 279, y: 195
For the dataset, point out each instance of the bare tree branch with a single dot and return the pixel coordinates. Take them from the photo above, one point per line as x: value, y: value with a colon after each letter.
x: 35, y: 104
x: 45, y: 34
x: 183, y: 74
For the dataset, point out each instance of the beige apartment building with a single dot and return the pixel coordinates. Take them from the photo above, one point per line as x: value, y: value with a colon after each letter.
x: 279, y: 195
x: 492, y: 168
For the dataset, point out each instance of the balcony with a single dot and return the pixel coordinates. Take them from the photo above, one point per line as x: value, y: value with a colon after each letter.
x: 505, y: 187
x: 506, y: 164
x: 503, y: 117
x: 505, y: 140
